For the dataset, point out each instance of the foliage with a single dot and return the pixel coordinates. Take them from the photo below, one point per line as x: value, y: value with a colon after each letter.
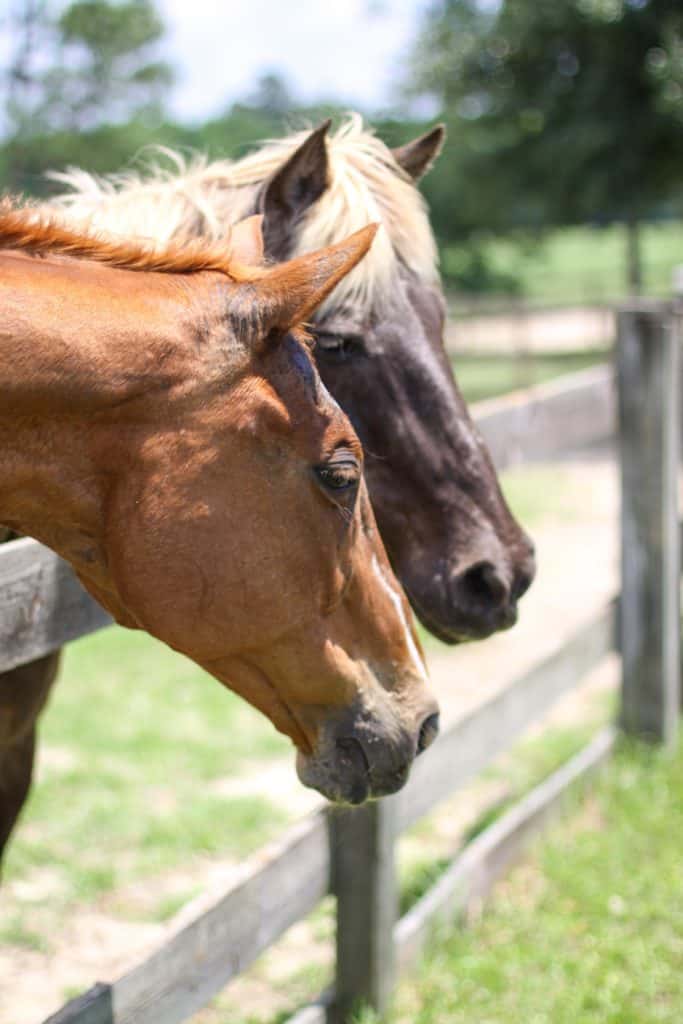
x: 568, y: 110
x: 569, y: 265
x: 99, y: 66
x: 75, y: 77
x: 578, y: 103
x: 556, y: 112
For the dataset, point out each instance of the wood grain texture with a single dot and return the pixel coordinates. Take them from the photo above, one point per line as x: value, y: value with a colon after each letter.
x: 571, y: 412
x: 473, y: 873
x: 219, y: 935
x: 649, y: 427
x: 364, y: 882
x: 93, y: 1007
x: 42, y: 604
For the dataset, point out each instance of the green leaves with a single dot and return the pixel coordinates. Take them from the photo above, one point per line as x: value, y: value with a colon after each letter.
x: 570, y: 111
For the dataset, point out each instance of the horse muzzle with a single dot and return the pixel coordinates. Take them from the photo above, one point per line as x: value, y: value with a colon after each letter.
x: 361, y: 760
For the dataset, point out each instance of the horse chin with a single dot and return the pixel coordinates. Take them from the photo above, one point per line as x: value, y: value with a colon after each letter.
x: 446, y: 623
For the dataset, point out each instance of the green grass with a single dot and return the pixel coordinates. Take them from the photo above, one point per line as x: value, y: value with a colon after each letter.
x: 132, y: 741
x: 481, y: 377
x: 588, y: 930
x: 13, y: 932
x: 524, y: 767
x: 583, y: 264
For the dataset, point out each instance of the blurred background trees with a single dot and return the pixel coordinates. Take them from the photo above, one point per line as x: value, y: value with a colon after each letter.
x: 82, y: 87
x: 570, y: 111
x: 560, y: 112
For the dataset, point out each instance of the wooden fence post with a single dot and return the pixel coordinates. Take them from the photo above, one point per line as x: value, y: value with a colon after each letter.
x: 648, y: 376
x: 364, y: 881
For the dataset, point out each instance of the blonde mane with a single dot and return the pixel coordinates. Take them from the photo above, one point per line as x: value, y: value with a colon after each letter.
x: 186, y: 199
x: 32, y: 230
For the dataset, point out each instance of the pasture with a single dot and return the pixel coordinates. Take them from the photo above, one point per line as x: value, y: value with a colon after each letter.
x: 573, y: 266
x: 488, y: 376
x: 575, y: 933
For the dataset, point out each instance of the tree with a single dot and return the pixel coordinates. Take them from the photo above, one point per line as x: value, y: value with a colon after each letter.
x: 97, y: 71
x: 573, y: 108
x: 106, y: 69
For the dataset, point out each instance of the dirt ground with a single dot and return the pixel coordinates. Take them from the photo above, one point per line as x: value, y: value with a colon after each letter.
x: 576, y: 574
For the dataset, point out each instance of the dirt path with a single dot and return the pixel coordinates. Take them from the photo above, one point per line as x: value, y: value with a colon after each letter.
x: 577, y: 572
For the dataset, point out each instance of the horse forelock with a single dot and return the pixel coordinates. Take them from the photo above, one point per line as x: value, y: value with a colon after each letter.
x: 173, y: 197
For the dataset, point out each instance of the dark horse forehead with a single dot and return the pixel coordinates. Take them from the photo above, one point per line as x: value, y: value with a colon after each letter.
x: 407, y: 291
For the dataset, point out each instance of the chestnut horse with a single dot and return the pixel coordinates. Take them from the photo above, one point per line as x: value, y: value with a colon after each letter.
x: 160, y: 409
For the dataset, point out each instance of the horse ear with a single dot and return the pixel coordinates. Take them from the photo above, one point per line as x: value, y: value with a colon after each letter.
x: 292, y: 189
x: 417, y: 157
x: 246, y: 240
x: 288, y: 293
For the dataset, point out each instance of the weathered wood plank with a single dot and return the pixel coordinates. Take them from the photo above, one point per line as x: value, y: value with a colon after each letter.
x: 473, y: 874
x: 472, y: 742
x: 42, y: 604
x: 364, y: 882
x: 648, y: 375
x: 573, y: 411
x: 218, y: 937
x: 93, y: 1007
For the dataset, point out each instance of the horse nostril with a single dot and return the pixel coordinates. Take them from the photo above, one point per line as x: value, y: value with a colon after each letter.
x: 351, y: 754
x: 428, y: 732
x: 521, y: 584
x: 482, y: 582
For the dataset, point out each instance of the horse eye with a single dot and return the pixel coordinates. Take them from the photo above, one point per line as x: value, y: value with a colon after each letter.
x: 340, y: 473
x: 338, y: 344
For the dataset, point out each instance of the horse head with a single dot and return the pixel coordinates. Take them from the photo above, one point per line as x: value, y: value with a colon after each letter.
x: 172, y: 438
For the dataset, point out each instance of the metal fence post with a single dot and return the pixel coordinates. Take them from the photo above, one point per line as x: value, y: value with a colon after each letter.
x: 364, y: 880
x: 648, y: 379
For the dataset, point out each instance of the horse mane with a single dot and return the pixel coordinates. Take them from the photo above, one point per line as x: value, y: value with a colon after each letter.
x: 172, y: 197
x: 31, y: 230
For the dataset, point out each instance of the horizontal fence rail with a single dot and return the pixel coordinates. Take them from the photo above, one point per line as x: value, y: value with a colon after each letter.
x: 42, y: 604
x: 570, y: 412
x: 491, y: 728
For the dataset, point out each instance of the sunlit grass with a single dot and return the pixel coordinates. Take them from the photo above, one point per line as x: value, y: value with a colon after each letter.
x: 132, y: 739
x: 585, y: 264
x: 488, y: 376
x: 589, y: 929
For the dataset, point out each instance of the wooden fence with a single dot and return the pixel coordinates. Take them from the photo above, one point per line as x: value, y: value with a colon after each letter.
x: 351, y: 853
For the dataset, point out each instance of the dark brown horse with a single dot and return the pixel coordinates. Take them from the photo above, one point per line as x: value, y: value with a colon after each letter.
x: 159, y: 410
